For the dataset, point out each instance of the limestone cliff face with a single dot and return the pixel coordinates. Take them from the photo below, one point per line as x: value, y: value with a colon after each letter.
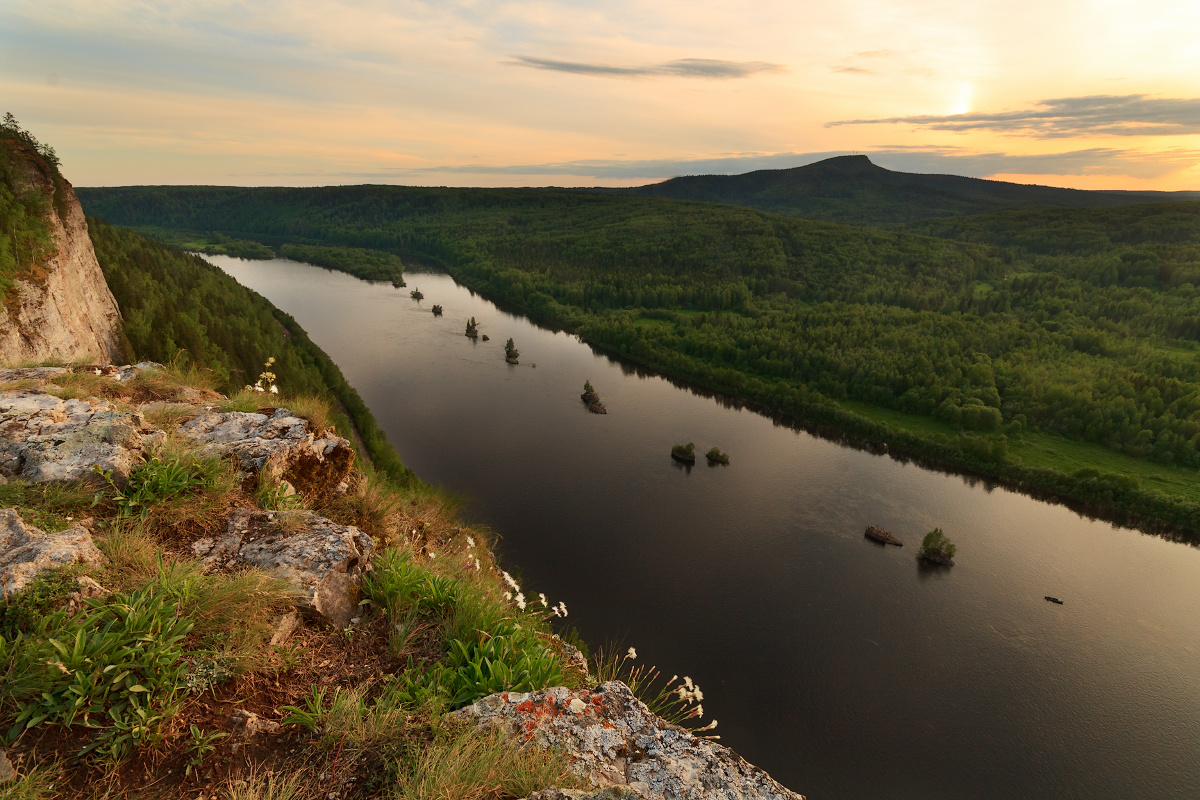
x: 65, y: 311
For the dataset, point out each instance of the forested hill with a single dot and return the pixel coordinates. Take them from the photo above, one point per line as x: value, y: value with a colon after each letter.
x: 852, y: 190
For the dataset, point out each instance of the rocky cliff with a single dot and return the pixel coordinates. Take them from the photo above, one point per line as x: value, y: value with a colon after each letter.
x: 61, y: 309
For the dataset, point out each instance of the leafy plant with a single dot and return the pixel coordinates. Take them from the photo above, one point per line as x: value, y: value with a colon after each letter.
x: 159, y: 481
x: 502, y: 660
x: 120, y: 659
x: 201, y: 745
x: 311, y: 714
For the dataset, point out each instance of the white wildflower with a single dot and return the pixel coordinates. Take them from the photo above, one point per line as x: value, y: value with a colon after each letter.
x: 511, y: 582
x: 699, y: 695
x: 274, y: 389
x: 520, y: 601
x: 508, y: 595
x: 541, y: 596
x: 631, y: 653
x: 699, y: 712
x: 576, y: 705
x: 688, y: 682
x: 470, y: 541
x: 709, y: 726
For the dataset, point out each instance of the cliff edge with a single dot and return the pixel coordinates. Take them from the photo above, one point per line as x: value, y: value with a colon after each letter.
x: 58, y: 307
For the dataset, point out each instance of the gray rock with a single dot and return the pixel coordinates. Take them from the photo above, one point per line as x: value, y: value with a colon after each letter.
x: 285, y: 626
x: 7, y: 773
x: 45, y: 438
x: 248, y: 724
x: 26, y: 551
x: 613, y: 739
x: 279, y: 446
x: 40, y: 375
x: 322, y: 561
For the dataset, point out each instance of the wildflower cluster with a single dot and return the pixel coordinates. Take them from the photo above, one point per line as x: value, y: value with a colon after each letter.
x: 515, y: 595
x: 266, y: 379
x: 675, y: 701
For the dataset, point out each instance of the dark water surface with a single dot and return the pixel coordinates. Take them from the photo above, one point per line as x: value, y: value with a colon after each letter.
x: 841, y: 667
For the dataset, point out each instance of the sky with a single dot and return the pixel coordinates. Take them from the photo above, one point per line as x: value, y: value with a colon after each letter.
x: 1093, y: 94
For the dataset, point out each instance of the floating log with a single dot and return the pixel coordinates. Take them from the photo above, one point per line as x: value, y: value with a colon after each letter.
x: 1054, y: 600
x: 883, y: 537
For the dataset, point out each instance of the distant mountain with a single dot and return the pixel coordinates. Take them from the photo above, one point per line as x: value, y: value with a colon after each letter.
x: 851, y: 189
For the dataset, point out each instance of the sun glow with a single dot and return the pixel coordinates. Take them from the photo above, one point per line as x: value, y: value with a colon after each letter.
x: 962, y: 101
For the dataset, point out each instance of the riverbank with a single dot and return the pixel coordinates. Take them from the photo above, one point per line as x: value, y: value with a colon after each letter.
x: 301, y: 628
x: 1095, y: 488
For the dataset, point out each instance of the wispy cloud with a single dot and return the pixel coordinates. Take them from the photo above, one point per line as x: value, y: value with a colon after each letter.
x: 1114, y: 115
x: 682, y: 68
x: 854, y: 70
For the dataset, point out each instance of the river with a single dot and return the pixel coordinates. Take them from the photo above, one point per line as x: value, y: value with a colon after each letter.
x: 841, y: 667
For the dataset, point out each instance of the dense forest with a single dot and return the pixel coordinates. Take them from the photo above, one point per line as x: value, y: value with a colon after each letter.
x: 177, y: 305
x: 1082, y: 324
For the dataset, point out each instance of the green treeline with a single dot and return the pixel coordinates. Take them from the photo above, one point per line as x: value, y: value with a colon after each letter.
x: 1083, y: 323
x: 371, y: 265
x: 173, y: 302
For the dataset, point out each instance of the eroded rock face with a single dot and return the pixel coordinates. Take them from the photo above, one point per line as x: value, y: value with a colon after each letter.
x: 26, y: 551
x: 65, y: 311
x: 324, y: 562
x: 615, y: 741
x: 279, y: 446
x: 45, y: 438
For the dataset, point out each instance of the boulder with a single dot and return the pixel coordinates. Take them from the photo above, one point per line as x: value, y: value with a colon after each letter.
x: 278, y: 445
x: 322, y: 561
x: 614, y: 740
x: 45, y: 438
x: 26, y: 551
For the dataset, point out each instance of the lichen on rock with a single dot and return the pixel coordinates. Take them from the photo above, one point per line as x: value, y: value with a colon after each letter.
x: 278, y: 446
x: 322, y: 561
x: 45, y: 438
x: 614, y: 740
x: 26, y: 552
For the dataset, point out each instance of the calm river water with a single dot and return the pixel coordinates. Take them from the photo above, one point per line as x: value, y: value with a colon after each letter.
x: 839, y: 666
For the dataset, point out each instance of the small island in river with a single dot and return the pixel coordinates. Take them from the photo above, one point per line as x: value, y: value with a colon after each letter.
x: 591, y: 399
x: 684, y: 453
x: 473, y: 329
x: 437, y: 310
x: 415, y: 294
x: 936, y: 548
x: 511, y: 353
x: 715, y: 456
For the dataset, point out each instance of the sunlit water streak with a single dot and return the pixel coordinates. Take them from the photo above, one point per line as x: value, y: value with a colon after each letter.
x: 839, y: 666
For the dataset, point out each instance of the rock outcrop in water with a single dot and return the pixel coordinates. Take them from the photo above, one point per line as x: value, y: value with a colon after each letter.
x: 62, y: 310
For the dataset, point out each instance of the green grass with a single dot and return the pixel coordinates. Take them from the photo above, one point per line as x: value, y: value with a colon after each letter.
x: 1047, y: 451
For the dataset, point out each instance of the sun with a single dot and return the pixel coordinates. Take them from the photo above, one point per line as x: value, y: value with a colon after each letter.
x: 962, y: 100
